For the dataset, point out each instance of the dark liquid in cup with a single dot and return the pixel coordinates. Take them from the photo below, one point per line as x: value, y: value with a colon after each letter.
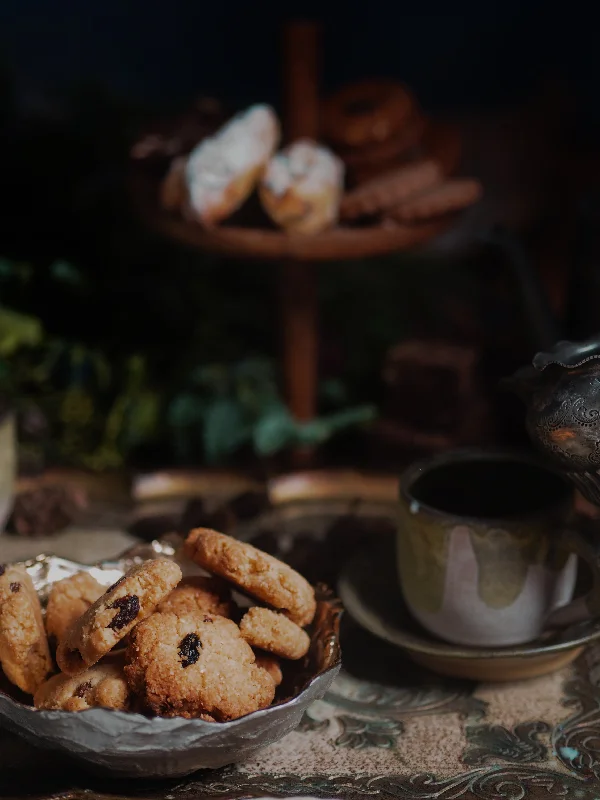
x: 489, y: 488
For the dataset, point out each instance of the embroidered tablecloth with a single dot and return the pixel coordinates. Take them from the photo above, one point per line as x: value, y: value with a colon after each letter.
x: 386, y: 729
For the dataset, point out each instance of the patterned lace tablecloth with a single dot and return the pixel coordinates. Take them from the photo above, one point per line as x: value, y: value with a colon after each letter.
x: 387, y: 729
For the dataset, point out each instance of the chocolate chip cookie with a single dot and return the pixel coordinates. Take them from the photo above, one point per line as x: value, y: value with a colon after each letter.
x: 254, y: 572
x: 129, y: 601
x: 24, y: 653
x: 195, y: 665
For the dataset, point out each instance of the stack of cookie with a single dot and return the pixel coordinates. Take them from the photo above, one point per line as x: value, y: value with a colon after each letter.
x: 373, y: 125
x: 396, y: 175
x: 414, y: 193
x: 155, y: 643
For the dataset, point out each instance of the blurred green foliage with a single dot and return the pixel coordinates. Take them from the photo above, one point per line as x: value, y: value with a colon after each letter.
x: 97, y: 407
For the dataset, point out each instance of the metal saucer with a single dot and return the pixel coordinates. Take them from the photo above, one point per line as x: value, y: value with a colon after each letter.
x: 368, y: 588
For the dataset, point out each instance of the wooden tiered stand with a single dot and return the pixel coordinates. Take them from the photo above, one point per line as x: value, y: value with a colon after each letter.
x: 297, y: 256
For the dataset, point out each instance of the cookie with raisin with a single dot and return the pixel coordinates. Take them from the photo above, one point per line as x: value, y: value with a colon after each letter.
x: 125, y: 604
x: 195, y: 666
x: 103, y: 686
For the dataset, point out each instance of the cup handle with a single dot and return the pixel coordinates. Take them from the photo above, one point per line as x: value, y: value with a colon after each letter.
x: 581, y: 537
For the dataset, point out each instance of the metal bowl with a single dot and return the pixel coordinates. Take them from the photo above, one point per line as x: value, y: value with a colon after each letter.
x: 132, y: 745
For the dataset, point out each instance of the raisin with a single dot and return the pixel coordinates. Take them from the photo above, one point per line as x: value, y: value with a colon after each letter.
x: 188, y: 650
x: 15, y: 587
x: 117, y: 583
x: 208, y: 619
x: 82, y: 689
x: 129, y: 608
x: 2, y: 569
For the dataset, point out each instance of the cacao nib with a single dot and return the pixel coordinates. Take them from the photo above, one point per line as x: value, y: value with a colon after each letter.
x: 15, y: 587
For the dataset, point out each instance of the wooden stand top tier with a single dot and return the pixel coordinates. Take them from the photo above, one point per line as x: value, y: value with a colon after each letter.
x: 301, y: 44
x: 254, y: 243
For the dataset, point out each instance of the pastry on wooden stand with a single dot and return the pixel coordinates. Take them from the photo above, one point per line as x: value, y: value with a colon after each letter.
x: 301, y: 188
x: 222, y: 171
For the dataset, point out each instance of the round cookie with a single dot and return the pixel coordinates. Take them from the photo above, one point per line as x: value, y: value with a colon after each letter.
x: 386, y: 152
x: 254, y: 572
x: 24, y: 653
x: 68, y: 600
x: 101, y: 686
x: 271, y: 665
x: 129, y: 601
x: 274, y: 633
x: 199, y: 594
x: 366, y: 112
x: 195, y: 665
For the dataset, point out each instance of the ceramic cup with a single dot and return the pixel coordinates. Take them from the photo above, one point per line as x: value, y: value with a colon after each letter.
x: 485, y: 546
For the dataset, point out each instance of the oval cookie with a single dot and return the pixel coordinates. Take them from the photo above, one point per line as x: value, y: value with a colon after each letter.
x: 270, y: 665
x: 200, y: 594
x: 274, y: 633
x: 195, y: 666
x: 24, y: 653
x: 68, y: 600
x: 254, y: 572
x: 101, y: 686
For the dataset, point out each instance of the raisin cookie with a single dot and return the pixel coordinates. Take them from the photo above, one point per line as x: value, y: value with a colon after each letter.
x: 271, y: 665
x: 103, y: 685
x: 254, y: 572
x: 68, y: 600
x: 197, y: 665
x: 24, y: 653
x: 274, y: 633
x: 200, y: 594
x: 130, y: 600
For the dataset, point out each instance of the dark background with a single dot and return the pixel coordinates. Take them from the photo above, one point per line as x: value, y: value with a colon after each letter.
x: 460, y: 54
x: 78, y: 79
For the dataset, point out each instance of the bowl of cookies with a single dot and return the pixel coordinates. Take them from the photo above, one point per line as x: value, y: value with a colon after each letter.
x: 173, y: 658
